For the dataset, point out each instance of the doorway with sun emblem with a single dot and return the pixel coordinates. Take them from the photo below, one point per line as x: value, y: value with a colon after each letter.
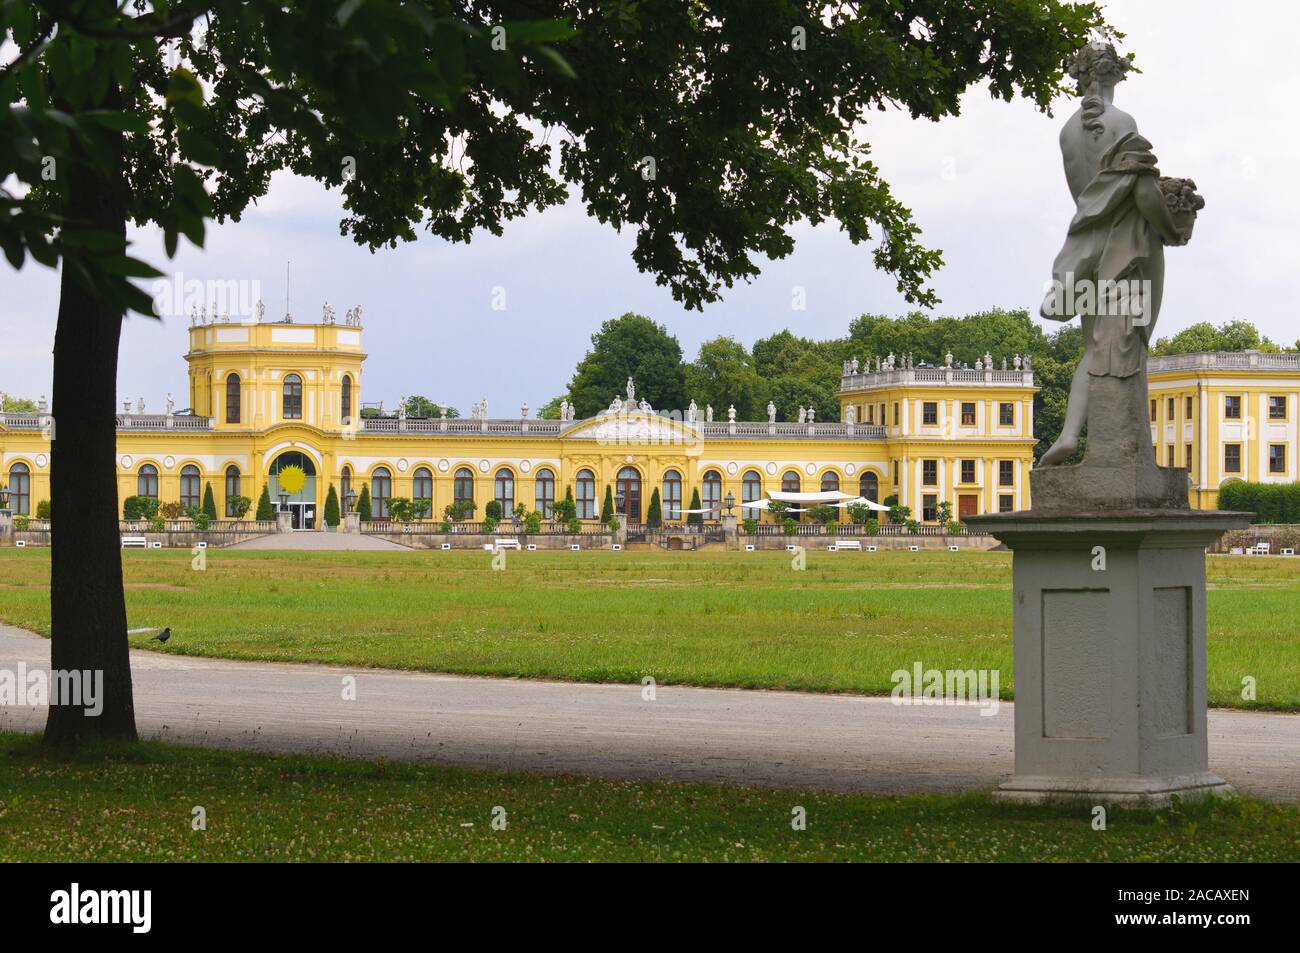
x: 293, y: 488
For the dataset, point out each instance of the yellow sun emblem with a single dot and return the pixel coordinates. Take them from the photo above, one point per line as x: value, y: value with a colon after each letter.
x: 292, y: 479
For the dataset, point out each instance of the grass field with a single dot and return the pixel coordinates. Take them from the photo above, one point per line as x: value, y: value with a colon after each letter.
x: 137, y: 804
x: 733, y: 619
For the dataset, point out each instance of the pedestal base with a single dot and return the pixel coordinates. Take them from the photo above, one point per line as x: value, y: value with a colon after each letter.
x: 1110, y: 654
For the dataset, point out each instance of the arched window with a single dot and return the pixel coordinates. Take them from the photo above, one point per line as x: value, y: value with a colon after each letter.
x: 463, y: 486
x: 347, y: 399
x: 672, y: 505
x: 146, y: 482
x: 20, y: 489
x: 503, y: 491
x: 232, y: 399
x: 381, y: 488
x: 830, y: 482
x: 586, y: 495
x: 190, y: 488
x: 232, y: 489
x: 545, y: 493
x: 345, y: 487
x: 751, y: 490
x: 869, y: 487
x: 790, y: 481
x: 711, y: 497
x: 292, y: 409
x: 422, y: 492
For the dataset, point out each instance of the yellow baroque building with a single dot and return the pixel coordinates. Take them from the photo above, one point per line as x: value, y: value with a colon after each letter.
x: 264, y: 396
x: 1225, y: 416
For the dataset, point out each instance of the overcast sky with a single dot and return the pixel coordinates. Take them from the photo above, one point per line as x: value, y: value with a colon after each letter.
x: 1218, y: 97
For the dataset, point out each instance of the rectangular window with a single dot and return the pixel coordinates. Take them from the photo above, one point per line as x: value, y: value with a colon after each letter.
x: 1153, y: 410
x: 929, y: 413
x: 1232, y: 458
x: 1277, y: 458
x: 929, y: 508
x: 1170, y: 410
x: 968, y: 414
x: 1232, y: 407
x: 1006, y: 415
x: 1006, y: 473
x: 1187, y: 408
x: 968, y: 471
x: 1006, y: 503
x: 1277, y: 407
x: 929, y: 472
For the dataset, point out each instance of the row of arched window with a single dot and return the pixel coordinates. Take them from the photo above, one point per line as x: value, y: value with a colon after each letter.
x: 291, y: 394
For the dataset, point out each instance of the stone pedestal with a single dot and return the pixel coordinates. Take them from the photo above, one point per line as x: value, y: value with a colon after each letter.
x: 1109, y: 652
x: 352, y: 522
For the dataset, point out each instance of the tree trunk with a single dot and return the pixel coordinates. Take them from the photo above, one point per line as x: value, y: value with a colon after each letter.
x: 87, y: 606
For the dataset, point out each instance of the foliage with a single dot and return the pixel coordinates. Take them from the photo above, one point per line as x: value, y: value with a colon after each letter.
x: 789, y: 526
x: 265, y: 513
x: 332, y: 516
x: 629, y: 346
x: 607, y: 507
x: 695, y: 519
x: 363, y: 504
x: 43, y: 510
x: 209, y: 503
x: 654, y: 516
x: 238, y: 506
x: 1271, y: 502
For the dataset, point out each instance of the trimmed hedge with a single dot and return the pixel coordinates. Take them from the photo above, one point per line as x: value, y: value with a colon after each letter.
x: 1271, y: 502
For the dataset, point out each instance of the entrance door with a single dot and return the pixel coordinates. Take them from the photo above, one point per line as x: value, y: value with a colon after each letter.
x: 967, y: 505
x: 629, y: 495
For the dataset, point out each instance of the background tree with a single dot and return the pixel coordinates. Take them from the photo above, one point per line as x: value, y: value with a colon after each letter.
x: 209, y: 504
x: 629, y: 346
x: 654, y: 516
x: 177, y: 111
x: 363, y: 504
x: 332, y: 507
x: 265, y: 513
x: 724, y: 374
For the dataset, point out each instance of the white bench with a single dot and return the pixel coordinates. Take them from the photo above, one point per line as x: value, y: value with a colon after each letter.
x: 848, y: 544
x: 507, y: 544
x: 134, y: 542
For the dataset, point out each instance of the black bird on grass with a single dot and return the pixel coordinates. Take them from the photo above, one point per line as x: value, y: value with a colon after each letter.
x: 162, y: 636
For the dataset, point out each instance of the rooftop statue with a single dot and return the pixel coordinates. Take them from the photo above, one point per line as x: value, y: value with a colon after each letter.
x: 1110, y: 272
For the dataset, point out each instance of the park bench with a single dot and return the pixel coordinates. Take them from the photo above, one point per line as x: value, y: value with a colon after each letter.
x: 507, y: 544
x: 134, y: 542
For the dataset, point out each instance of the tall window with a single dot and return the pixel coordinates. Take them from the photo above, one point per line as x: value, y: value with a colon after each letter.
x: 292, y: 398
x: 347, y: 398
x: 751, y: 490
x: 1006, y: 415
x: 1006, y: 473
x: 1277, y: 407
x: 545, y: 493
x: 462, y: 490
x: 830, y: 482
x: 968, y: 471
x: 712, y: 495
x: 232, y: 489
x: 585, y: 488
x: 504, y: 491
x: 1232, y: 458
x: 190, y: 489
x: 232, y: 399
x: 20, y: 489
x: 381, y: 489
x: 345, y: 487
x: 929, y: 472
x: 968, y: 414
x: 146, y: 482
x: 672, y: 495
x: 1232, y: 407
x: 422, y: 491
x: 869, y: 487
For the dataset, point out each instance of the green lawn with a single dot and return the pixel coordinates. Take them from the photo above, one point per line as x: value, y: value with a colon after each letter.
x: 136, y: 804
x: 735, y: 619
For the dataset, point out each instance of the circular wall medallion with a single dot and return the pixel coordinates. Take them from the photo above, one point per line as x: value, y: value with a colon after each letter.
x: 771, y: 469
x: 525, y: 465
x: 41, y: 460
x: 169, y: 462
x: 732, y: 468
x: 810, y: 468
x: 402, y: 465
x: 444, y: 466
x: 126, y: 463
x: 850, y: 469
x: 483, y: 466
